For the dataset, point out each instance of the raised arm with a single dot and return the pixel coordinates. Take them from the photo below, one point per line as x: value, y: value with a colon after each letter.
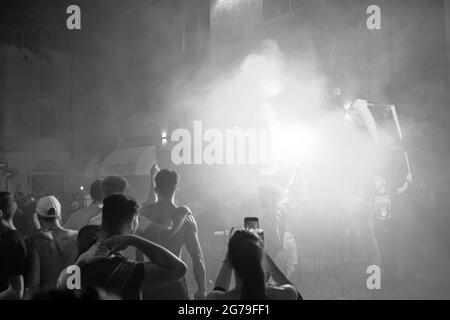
x: 198, y: 262
x: 164, y: 267
x: 281, y: 280
x: 405, y: 186
x: 151, y: 194
x: 223, y: 280
x: 15, y: 289
x: 277, y: 275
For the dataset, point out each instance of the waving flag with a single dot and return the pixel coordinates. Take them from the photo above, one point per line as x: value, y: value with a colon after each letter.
x: 381, y: 120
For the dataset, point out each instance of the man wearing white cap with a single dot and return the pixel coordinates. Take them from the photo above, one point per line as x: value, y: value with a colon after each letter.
x: 50, y: 250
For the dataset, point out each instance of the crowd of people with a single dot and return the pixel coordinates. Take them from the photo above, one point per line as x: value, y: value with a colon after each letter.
x: 127, y: 251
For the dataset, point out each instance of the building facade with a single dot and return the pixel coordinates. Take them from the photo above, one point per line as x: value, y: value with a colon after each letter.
x: 50, y: 115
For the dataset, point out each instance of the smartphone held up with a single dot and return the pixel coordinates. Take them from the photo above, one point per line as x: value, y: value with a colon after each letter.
x: 252, y: 224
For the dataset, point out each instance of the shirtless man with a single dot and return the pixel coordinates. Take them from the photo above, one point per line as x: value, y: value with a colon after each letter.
x: 172, y: 227
x: 50, y: 250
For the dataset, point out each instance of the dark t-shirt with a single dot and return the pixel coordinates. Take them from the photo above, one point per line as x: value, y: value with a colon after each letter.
x: 382, y: 205
x: 384, y: 214
x: 126, y: 281
x: 12, y: 256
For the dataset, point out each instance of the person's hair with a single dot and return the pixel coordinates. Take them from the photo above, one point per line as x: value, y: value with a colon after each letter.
x: 27, y: 202
x: 6, y: 201
x: 87, y: 236
x: 118, y: 211
x: 246, y: 253
x: 112, y: 185
x: 96, y: 191
x: 166, y: 182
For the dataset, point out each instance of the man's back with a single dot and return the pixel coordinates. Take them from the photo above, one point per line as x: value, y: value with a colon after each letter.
x: 164, y: 216
x: 50, y: 252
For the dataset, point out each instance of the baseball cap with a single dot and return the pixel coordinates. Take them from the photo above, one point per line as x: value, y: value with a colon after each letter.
x: 44, y: 205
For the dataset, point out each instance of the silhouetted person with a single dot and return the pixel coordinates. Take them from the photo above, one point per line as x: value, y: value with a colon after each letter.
x: 51, y: 249
x: 385, y: 222
x: 12, y: 251
x: 87, y: 237
x: 109, y: 186
x: 18, y: 194
x: 246, y: 257
x: 173, y: 226
x: 117, y: 185
x: 83, y: 217
x: 23, y: 219
x: 105, y: 267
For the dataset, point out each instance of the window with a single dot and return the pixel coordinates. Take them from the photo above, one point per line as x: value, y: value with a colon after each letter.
x: 191, y: 37
x: 196, y: 29
x: 274, y: 8
x: 48, y: 122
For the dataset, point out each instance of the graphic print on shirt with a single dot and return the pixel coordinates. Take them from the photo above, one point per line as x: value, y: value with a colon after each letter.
x: 382, y: 207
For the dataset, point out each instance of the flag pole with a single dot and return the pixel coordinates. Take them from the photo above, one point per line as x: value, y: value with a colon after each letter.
x: 399, y: 129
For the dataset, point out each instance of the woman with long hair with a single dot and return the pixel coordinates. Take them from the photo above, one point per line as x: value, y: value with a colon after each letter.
x: 247, y: 258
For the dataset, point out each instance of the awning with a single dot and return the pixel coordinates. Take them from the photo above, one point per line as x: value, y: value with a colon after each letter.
x: 129, y: 162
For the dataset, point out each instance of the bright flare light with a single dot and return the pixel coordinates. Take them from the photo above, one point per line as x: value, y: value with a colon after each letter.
x: 296, y: 144
x: 164, y: 137
x: 271, y: 87
x: 348, y: 117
